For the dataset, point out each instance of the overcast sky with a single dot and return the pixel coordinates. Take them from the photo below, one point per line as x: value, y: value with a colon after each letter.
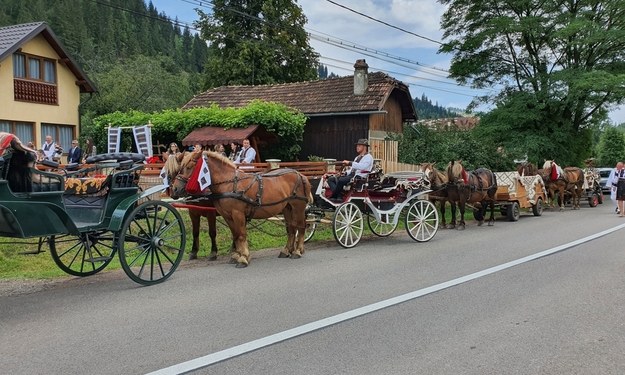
x: 341, y: 37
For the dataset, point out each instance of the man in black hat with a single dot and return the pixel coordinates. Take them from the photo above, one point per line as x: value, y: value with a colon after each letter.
x: 360, y: 167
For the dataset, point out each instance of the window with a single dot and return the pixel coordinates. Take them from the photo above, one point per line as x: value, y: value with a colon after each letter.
x: 34, y: 68
x: 23, y: 130
x: 61, y: 134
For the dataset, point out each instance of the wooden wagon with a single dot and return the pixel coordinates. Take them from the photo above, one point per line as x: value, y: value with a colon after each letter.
x: 516, y: 192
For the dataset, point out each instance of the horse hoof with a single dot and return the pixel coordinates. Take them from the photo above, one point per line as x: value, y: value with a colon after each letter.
x: 480, y: 223
x: 241, y: 265
x: 213, y: 257
x: 460, y: 227
x: 192, y: 256
x: 283, y: 255
x: 490, y: 223
x: 232, y: 261
x: 296, y: 256
x: 450, y: 226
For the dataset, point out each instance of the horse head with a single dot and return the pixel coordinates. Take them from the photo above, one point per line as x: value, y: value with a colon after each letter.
x: 179, y: 170
x: 456, y: 173
x: 550, y: 170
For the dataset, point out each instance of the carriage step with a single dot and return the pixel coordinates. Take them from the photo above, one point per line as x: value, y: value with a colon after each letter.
x: 97, y: 259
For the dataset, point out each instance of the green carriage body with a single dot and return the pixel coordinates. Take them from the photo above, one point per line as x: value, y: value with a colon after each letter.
x: 87, y: 225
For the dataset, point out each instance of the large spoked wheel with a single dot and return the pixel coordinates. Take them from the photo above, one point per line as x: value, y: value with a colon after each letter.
x: 151, y: 243
x: 85, y: 254
x: 422, y: 221
x: 348, y: 225
x: 383, y: 228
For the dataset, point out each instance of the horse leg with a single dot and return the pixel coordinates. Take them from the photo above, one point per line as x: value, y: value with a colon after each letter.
x: 211, y: 216
x: 491, y: 219
x: 300, y: 228
x: 290, y: 240
x: 561, y: 198
x: 452, y: 224
x: 461, y: 206
x: 195, y: 217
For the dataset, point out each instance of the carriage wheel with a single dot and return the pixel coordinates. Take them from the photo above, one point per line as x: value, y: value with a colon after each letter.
x: 312, y: 218
x: 593, y: 200
x: 152, y: 242
x: 537, y: 209
x: 514, y: 212
x: 85, y: 254
x: 347, y: 225
x: 422, y: 221
x: 383, y: 228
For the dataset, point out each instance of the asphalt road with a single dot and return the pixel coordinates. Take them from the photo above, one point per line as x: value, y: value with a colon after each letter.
x: 558, y: 314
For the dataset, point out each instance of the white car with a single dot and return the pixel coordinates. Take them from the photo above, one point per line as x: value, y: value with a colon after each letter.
x: 604, y: 173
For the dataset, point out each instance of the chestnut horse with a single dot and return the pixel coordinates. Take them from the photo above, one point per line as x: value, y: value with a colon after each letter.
x: 569, y: 179
x: 438, y: 184
x: 240, y: 197
x: 478, y: 187
x: 172, y: 166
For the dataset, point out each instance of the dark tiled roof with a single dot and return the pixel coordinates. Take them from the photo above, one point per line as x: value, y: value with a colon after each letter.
x: 334, y: 95
x: 14, y: 36
x: 212, y: 135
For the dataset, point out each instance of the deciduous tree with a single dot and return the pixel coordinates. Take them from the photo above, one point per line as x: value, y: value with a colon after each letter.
x: 557, y: 64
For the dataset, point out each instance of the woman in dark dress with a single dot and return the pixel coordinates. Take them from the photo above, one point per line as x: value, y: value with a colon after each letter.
x: 619, y: 182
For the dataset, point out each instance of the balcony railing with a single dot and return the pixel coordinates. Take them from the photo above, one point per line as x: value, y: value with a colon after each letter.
x: 35, y: 92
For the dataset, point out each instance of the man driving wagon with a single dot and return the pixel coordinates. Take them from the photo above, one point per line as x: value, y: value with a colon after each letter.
x: 360, y: 168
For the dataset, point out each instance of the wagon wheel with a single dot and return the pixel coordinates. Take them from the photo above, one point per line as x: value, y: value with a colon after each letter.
x: 514, y: 212
x: 593, y: 199
x: 85, y: 254
x: 383, y: 228
x: 422, y: 221
x: 537, y: 209
x: 152, y: 242
x: 347, y: 225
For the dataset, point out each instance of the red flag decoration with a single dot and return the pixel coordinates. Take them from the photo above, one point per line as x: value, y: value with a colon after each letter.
x: 193, y: 185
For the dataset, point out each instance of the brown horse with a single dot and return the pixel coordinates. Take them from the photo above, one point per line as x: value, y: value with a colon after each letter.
x: 240, y: 197
x: 526, y: 168
x: 478, y: 187
x: 172, y: 167
x: 438, y: 184
x: 569, y: 179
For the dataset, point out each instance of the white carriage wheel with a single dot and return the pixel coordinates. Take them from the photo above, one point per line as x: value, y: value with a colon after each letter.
x: 381, y: 229
x: 422, y: 221
x: 347, y: 225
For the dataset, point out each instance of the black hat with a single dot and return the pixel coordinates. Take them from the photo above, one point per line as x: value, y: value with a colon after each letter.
x: 363, y: 141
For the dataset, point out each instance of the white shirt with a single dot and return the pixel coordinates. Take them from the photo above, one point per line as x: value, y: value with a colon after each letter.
x: 247, y: 155
x: 363, y: 167
x: 48, y: 150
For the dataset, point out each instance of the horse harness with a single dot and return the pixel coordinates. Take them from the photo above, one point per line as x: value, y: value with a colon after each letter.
x: 257, y: 178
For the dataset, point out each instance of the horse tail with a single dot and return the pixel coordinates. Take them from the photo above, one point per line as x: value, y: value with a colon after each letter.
x: 308, y: 186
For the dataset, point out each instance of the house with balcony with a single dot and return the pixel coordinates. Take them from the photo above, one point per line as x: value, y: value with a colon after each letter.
x: 40, y: 85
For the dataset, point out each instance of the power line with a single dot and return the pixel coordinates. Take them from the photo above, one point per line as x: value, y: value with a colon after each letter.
x: 385, y: 23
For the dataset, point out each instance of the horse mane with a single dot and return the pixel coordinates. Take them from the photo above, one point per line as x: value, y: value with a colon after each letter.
x: 548, y: 164
x: 455, y: 171
x: 220, y: 157
x: 172, y: 166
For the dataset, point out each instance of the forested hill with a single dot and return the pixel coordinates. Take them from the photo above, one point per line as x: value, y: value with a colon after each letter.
x: 97, y: 32
x: 427, y: 110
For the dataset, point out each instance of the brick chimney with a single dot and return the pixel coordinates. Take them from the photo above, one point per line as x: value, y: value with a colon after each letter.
x: 361, y: 77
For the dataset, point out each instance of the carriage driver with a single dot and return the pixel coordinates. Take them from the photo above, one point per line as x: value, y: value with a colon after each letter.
x: 360, y: 167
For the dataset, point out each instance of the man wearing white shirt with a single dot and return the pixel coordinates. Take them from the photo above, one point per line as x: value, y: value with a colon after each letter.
x: 612, y: 180
x: 247, y: 155
x: 360, y: 167
x: 48, y: 148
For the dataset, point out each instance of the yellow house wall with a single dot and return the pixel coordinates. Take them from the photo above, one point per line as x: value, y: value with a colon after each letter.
x: 65, y: 113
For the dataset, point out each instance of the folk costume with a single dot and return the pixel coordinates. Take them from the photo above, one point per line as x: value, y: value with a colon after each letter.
x: 360, y: 168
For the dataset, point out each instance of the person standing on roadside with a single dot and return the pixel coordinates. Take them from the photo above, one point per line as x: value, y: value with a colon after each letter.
x: 612, y: 181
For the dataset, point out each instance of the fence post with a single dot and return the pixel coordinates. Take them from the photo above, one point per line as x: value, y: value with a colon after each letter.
x: 273, y: 163
x: 330, y: 167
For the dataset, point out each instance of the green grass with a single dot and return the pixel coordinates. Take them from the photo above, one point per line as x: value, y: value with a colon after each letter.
x: 262, y: 234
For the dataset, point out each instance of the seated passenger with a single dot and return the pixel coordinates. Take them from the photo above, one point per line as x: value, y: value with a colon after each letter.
x: 360, y: 167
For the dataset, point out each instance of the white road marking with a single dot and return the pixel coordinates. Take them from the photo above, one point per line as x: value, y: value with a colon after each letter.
x: 238, y: 350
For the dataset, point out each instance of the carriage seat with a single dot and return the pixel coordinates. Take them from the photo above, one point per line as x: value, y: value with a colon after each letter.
x: 87, y: 185
x: 45, y: 182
